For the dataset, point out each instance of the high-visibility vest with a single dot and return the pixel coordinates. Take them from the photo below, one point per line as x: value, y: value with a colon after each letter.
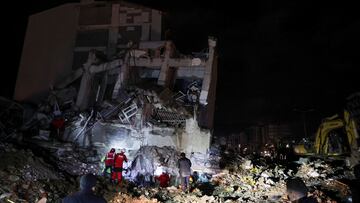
x: 109, y: 161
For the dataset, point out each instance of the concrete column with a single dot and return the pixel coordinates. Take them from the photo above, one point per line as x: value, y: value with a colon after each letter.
x: 84, y: 91
x: 113, y: 31
x: 145, y: 32
x: 122, y: 77
x: 207, y: 75
x: 112, y: 44
x: 85, y: 85
x: 155, y: 25
x: 163, y: 76
x: 103, y: 87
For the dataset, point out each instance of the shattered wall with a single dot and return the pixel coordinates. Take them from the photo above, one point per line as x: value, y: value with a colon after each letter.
x: 194, y: 139
x: 108, y: 135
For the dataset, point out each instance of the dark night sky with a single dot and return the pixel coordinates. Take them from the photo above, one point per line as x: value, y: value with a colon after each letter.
x: 274, y: 55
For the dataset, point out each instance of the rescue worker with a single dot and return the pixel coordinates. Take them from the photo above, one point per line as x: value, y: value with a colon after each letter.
x: 57, y: 126
x: 184, y: 165
x: 164, y: 179
x: 118, y: 166
x: 86, y: 193
x: 109, y: 161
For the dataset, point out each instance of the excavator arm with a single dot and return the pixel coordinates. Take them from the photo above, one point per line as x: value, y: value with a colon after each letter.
x: 351, y: 131
x: 332, y: 123
x: 322, y: 134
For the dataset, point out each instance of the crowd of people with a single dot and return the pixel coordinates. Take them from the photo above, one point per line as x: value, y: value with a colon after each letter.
x: 295, y: 187
x: 113, y: 169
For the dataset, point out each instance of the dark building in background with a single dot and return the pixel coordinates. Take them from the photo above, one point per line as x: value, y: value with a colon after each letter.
x: 256, y: 136
x: 58, y: 40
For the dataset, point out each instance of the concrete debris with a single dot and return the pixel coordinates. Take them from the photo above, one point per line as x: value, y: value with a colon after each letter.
x: 171, y: 118
x: 11, y: 118
x: 150, y: 161
x: 39, y: 120
x: 121, y: 197
x: 70, y: 159
x: 179, y: 97
x: 153, y: 124
x: 128, y: 112
x: 143, y: 117
x: 247, y: 182
x: 318, y: 169
x: 136, y: 111
x: 193, y: 92
x: 243, y: 179
x: 63, y: 97
x: 24, y: 175
x: 78, y: 162
x: 109, y: 110
x: 153, y: 103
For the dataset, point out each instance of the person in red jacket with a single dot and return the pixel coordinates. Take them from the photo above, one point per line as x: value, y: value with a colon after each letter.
x: 118, y: 166
x: 58, y: 126
x: 109, y: 161
x: 164, y: 179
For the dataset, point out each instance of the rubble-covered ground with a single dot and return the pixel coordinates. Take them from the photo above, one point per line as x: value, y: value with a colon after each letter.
x: 38, y: 165
x: 26, y: 177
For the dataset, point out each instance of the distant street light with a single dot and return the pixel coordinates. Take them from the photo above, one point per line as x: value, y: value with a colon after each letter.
x: 304, y: 111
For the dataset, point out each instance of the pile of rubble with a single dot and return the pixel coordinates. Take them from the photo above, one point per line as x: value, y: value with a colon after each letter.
x: 153, y: 160
x: 244, y: 179
x: 78, y: 161
x: 251, y: 184
x: 151, y: 116
x: 241, y: 181
x: 138, y: 120
x: 28, y: 178
x: 122, y: 197
x: 313, y: 171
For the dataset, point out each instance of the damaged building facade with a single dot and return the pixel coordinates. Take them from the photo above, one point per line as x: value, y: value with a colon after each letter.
x: 107, y: 62
x: 103, y: 69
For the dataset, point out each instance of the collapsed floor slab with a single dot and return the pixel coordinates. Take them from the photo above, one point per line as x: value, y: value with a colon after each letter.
x: 111, y: 135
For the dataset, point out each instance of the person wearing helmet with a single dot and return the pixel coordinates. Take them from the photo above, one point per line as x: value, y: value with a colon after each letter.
x: 109, y: 162
x: 118, y: 166
x: 86, y: 193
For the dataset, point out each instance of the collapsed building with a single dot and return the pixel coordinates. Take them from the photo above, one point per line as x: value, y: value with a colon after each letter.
x: 104, y: 68
x: 106, y: 60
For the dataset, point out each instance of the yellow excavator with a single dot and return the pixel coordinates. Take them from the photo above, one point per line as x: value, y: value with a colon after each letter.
x: 336, y: 137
